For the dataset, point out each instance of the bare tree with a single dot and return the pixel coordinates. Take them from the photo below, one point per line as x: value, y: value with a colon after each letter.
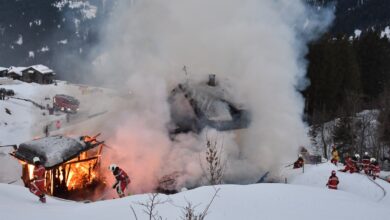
x: 319, y: 127
x: 215, y: 167
x: 190, y: 213
x: 365, y: 131
x: 150, y: 207
x: 384, y: 123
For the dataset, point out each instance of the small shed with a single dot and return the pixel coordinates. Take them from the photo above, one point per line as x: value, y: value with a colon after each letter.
x: 15, y: 72
x: 71, y: 164
x: 39, y: 74
x: 3, y: 71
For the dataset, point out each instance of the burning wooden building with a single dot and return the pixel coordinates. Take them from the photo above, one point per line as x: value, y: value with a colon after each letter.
x: 72, y: 165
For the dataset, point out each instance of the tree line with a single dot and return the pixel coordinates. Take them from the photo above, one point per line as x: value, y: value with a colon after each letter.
x: 349, y: 75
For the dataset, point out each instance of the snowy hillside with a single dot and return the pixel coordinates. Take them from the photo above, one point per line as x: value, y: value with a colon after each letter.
x: 357, y: 184
x: 304, y: 197
x: 259, y: 201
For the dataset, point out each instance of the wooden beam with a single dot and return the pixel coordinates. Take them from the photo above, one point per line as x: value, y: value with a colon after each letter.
x: 80, y: 161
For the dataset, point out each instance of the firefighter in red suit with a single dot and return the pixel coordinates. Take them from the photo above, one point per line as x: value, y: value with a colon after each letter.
x: 37, y: 183
x: 299, y: 163
x: 333, y: 181
x: 122, y: 180
x: 349, y: 165
x: 374, y: 169
x: 366, y: 162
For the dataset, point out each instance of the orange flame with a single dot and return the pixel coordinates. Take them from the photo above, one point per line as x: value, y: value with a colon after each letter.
x: 81, y: 174
x: 30, y: 171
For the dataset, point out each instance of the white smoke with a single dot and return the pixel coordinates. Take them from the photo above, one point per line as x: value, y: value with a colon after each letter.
x: 258, y: 45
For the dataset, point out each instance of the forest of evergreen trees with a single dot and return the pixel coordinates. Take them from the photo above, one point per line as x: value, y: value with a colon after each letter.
x: 349, y: 75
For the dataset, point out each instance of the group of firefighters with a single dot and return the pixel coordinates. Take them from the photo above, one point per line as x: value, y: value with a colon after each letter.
x: 369, y: 165
x: 355, y: 164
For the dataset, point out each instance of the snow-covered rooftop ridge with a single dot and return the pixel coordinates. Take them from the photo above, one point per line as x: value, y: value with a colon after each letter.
x: 16, y: 70
x: 42, y: 69
x: 2, y: 68
x: 39, y: 67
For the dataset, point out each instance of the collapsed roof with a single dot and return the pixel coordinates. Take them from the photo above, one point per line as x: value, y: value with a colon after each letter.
x: 195, y: 106
x: 52, y: 151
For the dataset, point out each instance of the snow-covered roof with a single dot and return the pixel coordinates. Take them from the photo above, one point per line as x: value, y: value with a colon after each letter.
x: 2, y: 68
x: 52, y: 150
x: 42, y: 69
x: 16, y: 70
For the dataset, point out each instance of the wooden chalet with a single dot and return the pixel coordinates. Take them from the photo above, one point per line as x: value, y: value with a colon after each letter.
x: 38, y: 74
x: 72, y: 165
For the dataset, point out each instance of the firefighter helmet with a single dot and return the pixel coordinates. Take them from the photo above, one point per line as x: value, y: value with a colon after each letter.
x: 372, y: 160
x: 36, y: 159
x: 366, y: 153
x: 333, y: 172
x: 112, y: 167
x: 357, y: 155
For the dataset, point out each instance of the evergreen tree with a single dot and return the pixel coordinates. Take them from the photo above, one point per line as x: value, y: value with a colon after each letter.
x: 333, y: 70
x: 373, y: 54
x: 343, y: 135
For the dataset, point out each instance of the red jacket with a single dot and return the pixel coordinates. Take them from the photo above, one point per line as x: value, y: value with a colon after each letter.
x: 120, y: 175
x: 333, y: 182
x: 39, y: 173
x: 349, y: 162
x: 374, y: 167
x: 366, y: 160
x: 299, y: 163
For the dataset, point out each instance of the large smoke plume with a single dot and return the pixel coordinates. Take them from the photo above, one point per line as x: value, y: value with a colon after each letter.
x: 258, y: 45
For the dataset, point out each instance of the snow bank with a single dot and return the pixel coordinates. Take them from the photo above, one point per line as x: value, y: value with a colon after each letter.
x: 261, y: 201
x: 358, y: 184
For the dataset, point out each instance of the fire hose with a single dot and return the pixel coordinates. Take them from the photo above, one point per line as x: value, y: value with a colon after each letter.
x: 381, y: 187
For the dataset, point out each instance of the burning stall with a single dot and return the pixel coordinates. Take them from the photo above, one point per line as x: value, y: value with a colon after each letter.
x: 72, y: 165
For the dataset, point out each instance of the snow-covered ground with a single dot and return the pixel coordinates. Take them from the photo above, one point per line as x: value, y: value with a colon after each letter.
x: 304, y: 197
x: 357, y: 184
x: 259, y: 201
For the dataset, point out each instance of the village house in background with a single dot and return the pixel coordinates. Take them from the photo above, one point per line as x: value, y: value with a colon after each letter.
x: 15, y: 72
x: 3, y: 71
x: 38, y: 74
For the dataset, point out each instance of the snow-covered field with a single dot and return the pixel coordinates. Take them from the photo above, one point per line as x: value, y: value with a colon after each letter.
x: 304, y: 197
x: 258, y: 201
